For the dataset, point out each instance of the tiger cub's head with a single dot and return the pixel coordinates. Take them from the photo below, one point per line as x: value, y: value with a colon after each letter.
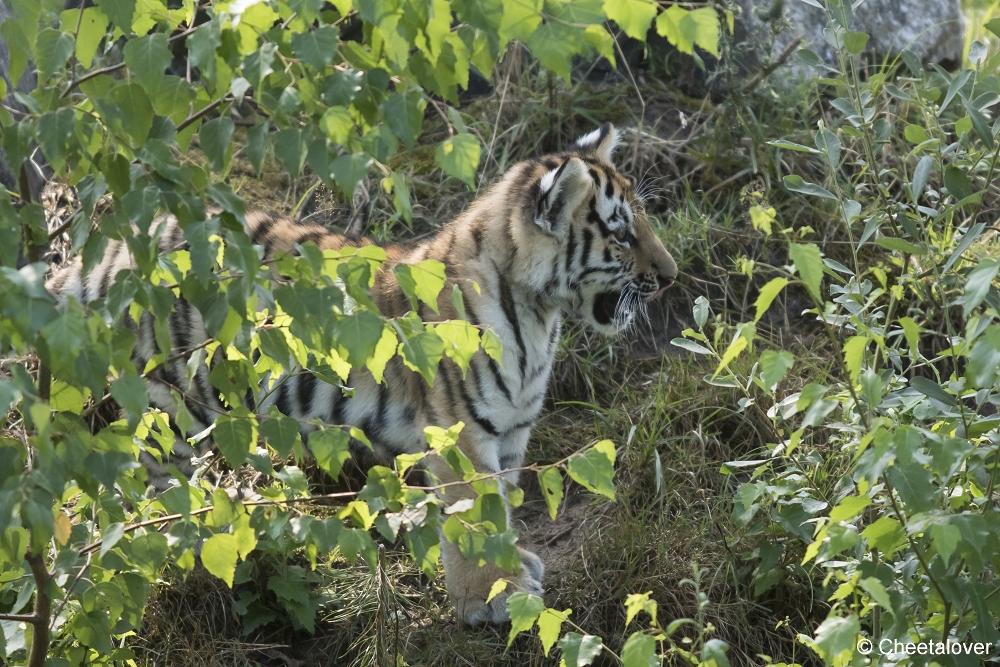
x: 607, y: 262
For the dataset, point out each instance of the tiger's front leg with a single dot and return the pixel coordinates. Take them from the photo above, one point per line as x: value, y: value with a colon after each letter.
x: 468, y: 583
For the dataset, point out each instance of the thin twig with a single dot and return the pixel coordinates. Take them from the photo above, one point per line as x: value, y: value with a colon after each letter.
x: 778, y: 62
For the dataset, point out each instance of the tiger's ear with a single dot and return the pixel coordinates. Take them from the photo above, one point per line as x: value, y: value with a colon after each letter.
x: 601, y: 142
x: 560, y: 193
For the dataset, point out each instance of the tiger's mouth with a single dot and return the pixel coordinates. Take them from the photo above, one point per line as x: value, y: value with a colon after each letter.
x: 605, y: 305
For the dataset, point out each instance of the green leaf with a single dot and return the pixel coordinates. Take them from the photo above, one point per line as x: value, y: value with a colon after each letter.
x: 551, y: 482
x: 359, y: 333
x: 767, y: 295
x: 886, y: 535
x: 405, y: 114
x: 554, y: 45
x: 422, y: 353
x: 579, y: 650
x: 854, y: 353
x: 423, y: 280
x: 850, y: 507
x: 549, y: 626
x: 855, y: 42
x: 946, y: 538
x: 640, y: 651
x: 836, y: 639
x: 461, y: 341
x: 933, y: 389
x: 459, y: 157
x: 915, y: 486
x: 331, y: 447
x: 686, y: 28
x: 53, y: 49
x: 93, y: 27
x: 980, y: 124
x: 915, y: 134
x: 120, y: 12
x: 136, y: 110
x: 993, y: 25
x: 216, y: 142
x: 900, y: 245
x: 977, y: 285
x: 129, y: 391
x: 690, y: 346
x: 281, y: 433
x: 795, y: 183
x: 349, y: 170
x: 920, y: 175
x: 317, y: 47
x: 337, y: 124
x: 520, y: 19
x: 602, y: 41
x: 219, y: 554
x: 809, y: 265
x: 957, y: 183
x: 235, y: 438
x: 829, y: 144
x: 595, y: 468
x: 148, y: 58
x: 524, y: 609
x: 290, y: 147
x: 737, y: 345
x: 774, y: 366
x: 632, y: 16
x: 792, y: 146
x: 983, y: 362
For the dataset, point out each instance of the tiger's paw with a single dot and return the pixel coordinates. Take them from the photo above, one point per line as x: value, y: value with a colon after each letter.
x: 470, y: 600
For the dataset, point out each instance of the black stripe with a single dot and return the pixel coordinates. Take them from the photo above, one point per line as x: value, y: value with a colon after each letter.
x: 588, y: 240
x: 594, y: 217
x: 477, y: 237
x: 315, y: 235
x: 305, y: 390
x: 517, y: 427
x: 483, y: 422
x: 383, y: 406
x: 570, y: 251
x: 339, y: 404
x: 282, y: 401
x: 510, y: 312
x: 609, y: 189
x: 263, y: 228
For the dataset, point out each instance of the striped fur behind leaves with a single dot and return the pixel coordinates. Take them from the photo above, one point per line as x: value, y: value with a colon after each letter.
x: 564, y: 233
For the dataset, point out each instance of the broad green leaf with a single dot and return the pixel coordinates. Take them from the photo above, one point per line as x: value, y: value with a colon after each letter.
x: 235, y: 438
x: 854, y: 353
x: 384, y: 351
x: 219, y: 554
x: 809, y: 265
x: 983, y: 362
x: 423, y: 280
x: 93, y: 26
x: 498, y: 587
x: 422, y: 353
x: 886, y: 535
x: 461, y: 341
x: 316, y: 47
x: 850, y: 507
x: 915, y: 134
x: 216, y: 142
x: 595, y: 468
x: 921, y: 173
x: 349, y: 170
x: 130, y: 392
x: 579, y: 650
x: 120, y: 12
x: 774, y: 366
x: 281, y: 433
x: 551, y: 482
x: 713, y: 653
x: 977, y: 285
x: 762, y: 218
x: 404, y: 114
x: 549, y: 626
x: 911, y: 331
x: 855, y: 42
x: 829, y: 144
x: 337, y: 124
x: 767, y: 295
x: 640, y: 651
x: 554, y: 45
x: 686, y: 28
x: 458, y: 156
x: 795, y: 183
x: 637, y: 602
x: 946, y: 538
x: 602, y: 41
x: 52, y: 51
x: 290, y: 148
x: 359, y: 333
x: 524, y: 609
x: 520, y: 19
x: 957, y: 183
x: 633, y: 16
x: 331, y: 447
x: 836, y: 639
x: 148, y: 58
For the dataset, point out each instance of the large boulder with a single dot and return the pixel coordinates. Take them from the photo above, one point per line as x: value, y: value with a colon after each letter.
x: 932, y: 29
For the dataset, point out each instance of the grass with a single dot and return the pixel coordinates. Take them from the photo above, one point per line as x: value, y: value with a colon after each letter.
x: 675, y: 430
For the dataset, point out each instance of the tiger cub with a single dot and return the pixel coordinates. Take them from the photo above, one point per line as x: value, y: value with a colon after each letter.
x: 564, y: 233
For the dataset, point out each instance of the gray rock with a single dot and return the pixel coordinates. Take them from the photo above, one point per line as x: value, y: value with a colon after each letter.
x: 932, y: 29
